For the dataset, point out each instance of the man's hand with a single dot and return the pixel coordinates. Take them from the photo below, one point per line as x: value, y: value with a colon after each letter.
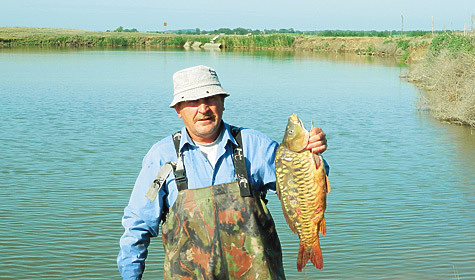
x: 317, y: 142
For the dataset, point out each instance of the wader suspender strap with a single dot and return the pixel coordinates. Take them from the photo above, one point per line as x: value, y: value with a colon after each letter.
x: 240, y: 163
x: 180, y: 175
x: 159, y: 180
x: 238, y: 160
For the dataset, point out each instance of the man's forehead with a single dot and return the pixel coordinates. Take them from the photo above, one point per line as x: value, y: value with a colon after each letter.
x: 218, y: 97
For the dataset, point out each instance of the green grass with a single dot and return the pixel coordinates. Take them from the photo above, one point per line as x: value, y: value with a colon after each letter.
x: 11, y: 36
x: 452, y: 43
x: 403, y: 44
x: 276, y: 41
x: 405, y: 55
x: 24, y: 36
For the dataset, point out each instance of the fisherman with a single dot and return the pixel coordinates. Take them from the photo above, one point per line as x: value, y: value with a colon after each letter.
x: 206, y: 185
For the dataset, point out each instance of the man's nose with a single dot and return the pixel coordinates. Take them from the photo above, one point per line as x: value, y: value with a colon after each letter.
x: 203, y: 107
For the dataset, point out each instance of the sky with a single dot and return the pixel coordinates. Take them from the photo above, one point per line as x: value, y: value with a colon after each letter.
x: 303, y: 15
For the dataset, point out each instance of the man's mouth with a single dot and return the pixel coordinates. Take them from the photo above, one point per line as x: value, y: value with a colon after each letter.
x: 204, y: 118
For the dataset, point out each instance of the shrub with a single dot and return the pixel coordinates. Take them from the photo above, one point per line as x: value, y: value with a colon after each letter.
x: 177, y: 41
x: 403, y: 44
x: 452, y: 43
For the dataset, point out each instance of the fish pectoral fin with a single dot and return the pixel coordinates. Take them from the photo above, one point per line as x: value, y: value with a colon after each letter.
x: 322, y: 227
x: 327, y: 184
x: 316, y: 159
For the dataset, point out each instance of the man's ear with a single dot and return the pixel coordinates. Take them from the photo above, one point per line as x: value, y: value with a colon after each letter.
x: 177, y: 109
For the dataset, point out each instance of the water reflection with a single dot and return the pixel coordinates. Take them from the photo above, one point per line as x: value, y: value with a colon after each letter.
x: 459, y: 143
x: 277, y: 54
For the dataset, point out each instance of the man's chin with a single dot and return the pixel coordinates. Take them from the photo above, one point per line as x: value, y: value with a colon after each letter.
x: 207, y: 128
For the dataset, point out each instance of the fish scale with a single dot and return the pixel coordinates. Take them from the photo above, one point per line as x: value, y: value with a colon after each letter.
x: 302, y: 185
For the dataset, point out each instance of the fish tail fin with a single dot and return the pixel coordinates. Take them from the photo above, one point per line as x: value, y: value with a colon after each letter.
x: 317, y: 258
x: 302, y: 257
x: 323, y: 227
x: 314, y: 254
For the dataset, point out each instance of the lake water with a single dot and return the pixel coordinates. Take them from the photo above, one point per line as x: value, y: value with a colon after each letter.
x: 76, y: 123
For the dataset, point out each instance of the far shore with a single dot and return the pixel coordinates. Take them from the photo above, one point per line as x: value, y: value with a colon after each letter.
x: 413, y: 48
x: 442, y: 66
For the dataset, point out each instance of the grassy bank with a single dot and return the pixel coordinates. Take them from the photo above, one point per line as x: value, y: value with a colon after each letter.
x: 23, y: 36
x: 368, y: 45
x: 446, y: 78
x: 26, y: 36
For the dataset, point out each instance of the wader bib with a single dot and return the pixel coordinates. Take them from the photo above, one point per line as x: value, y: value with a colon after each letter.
x: 220, y: 232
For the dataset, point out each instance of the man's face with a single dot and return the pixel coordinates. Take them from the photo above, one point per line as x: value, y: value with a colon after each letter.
x: 202, y: 117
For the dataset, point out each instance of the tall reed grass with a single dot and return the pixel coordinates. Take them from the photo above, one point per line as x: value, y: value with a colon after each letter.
x: 15, y: 36
x: 275, y: 41
x: 66, y: 37
x: 447, y: 79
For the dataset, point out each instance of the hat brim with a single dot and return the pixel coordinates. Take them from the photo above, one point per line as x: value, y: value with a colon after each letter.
x: 198, y: 93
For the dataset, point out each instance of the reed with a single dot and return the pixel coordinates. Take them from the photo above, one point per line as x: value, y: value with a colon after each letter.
x: 447, y: 79
x: 12, y: 36
x: 274, y: 41
x: 24, y: 36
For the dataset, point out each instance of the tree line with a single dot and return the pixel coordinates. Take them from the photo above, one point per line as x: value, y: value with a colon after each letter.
x: 323, y: 33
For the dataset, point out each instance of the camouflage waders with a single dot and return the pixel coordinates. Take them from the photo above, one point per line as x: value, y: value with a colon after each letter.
x: 220, y: 232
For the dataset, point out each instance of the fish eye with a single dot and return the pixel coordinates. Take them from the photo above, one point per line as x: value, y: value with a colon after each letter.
x: 291, y: 131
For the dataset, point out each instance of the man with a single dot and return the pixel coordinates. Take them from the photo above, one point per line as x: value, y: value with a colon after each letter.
x: 207, y: 183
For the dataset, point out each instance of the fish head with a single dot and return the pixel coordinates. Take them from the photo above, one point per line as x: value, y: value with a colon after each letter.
x: 296, y: 136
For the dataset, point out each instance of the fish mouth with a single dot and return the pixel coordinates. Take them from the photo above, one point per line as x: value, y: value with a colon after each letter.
x: 301, y: 123
x: 295, y: 119
x: 299, y: 141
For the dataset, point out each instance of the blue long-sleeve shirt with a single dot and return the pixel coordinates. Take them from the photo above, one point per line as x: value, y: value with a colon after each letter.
x: 142, y: 216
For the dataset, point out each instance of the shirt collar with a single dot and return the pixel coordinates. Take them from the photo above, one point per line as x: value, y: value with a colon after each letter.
x: 227, y: 137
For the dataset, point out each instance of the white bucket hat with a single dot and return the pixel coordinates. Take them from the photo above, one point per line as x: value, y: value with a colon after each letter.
x: 195, y: 83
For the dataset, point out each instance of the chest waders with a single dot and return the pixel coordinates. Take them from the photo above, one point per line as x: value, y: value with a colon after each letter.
x: 220, y: 232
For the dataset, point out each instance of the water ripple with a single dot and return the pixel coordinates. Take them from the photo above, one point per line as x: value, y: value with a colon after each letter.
x: 73, y: 137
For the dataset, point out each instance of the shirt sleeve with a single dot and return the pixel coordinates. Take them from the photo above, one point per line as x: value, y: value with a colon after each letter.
x: 260, y: 151
x: 133, y: 246
x: 327, y: 167
x: 140, y: 221
x: 268, y: 169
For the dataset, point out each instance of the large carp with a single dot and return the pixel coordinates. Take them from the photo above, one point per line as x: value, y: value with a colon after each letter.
x: 302, y: 186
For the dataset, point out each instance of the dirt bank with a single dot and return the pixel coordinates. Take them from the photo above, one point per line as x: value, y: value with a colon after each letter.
x: 408, y: 49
